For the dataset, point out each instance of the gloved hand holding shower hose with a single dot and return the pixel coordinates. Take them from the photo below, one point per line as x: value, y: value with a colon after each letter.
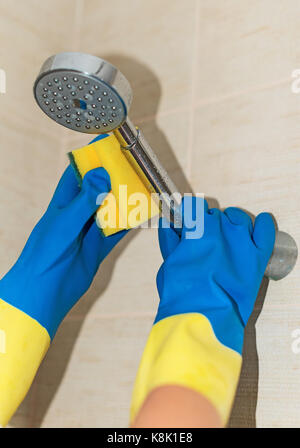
x: 207, y: 287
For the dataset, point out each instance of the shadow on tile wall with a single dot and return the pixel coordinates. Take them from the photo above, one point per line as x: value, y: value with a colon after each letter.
x: 146, y: 98
x: 52, y: 373
x: 244, y: 409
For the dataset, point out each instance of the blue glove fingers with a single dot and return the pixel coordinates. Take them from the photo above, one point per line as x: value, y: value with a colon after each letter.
x: 238, y: 217
x: 191, y: 205
x: 99, y: 137
x: 264, y: 233
x: 194, y: 209
x: 167, y: 237
x: 110, y: 241
x: 66, y: 190
x: 96, y: 246
x: 95, y: 186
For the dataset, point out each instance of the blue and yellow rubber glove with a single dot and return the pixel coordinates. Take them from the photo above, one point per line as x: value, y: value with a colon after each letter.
x: 55, y: 268
x: 207, y: 288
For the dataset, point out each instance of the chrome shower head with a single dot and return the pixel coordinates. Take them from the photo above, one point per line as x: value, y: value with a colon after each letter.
x: 83, y: 93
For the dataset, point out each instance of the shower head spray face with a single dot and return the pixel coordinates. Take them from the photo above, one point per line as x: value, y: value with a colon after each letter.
x: 83, y: 93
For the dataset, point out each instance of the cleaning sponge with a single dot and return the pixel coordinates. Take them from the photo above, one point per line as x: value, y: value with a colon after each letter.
x: 129, y: 204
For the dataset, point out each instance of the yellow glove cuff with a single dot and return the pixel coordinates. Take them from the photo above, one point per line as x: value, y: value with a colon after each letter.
x: 23, y: 345
x: 183, y: 350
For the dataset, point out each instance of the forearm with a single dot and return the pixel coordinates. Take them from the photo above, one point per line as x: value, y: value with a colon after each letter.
x: 183, y: 351
x: 177, y: 407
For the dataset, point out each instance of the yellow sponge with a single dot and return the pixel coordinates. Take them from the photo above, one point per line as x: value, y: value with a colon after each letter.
x: 129, y: 204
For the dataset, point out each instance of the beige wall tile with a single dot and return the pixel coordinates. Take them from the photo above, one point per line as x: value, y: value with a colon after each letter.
x: 279, y: 379
x: 30, y: 33
x: 30, y: 143
x: 125, y: 283
x: 151, y: 42
x: 28, y: 178
x: 246, y: 154
x: 246, y: 44
x: 268, y: 391
x: 88, y: 375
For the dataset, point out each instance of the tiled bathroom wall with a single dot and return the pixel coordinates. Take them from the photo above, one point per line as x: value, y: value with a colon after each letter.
x: 30, y: 145
x: 212, y: 93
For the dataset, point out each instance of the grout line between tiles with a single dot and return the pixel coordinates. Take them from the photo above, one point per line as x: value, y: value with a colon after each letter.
x: 146, y: 314
x: 165, y: 113
x: 79, y: 11
x: 192, y: 104
x: 212, y: 100
x: 107, y: 316
x: 232, y: 95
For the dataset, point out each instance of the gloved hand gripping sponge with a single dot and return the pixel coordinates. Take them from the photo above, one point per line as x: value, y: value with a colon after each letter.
x: 61, y: 257
x: 129, y: 204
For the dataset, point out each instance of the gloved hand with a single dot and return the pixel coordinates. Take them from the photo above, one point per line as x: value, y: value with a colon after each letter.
x: 62, y: 254
x: 207, y: 288
x: 55, y: 268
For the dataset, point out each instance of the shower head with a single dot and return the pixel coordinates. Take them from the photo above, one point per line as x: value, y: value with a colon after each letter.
x: 87, y: 94
x: 83, y: 93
